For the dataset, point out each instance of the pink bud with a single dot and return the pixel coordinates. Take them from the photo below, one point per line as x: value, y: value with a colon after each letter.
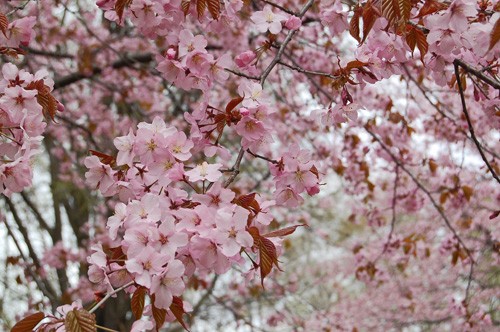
x: 293, y: 23
x: 244, y: 59
x: 244, y: 111
x: 171, y: 53
x: 60, y: 107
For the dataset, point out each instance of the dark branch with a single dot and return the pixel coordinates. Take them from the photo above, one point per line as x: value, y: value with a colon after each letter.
x: 122, y: 63
x: 456, y: 64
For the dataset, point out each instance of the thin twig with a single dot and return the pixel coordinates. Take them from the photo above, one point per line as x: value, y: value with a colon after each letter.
x: 433, y: 202
x: 235, y: 169
x: 305, y: 71
x: 393, y: 220
x: 456, y: 64
x: 471, y: 70
x: 288, y: 38
x: 105, y: 298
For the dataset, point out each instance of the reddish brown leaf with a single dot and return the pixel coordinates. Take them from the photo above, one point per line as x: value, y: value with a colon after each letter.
x: 415, y: 37
x: 159, y: 315
x: 282, y: 232
x: 268, y: 257
x: 354, y: 24
x: 80, y: 320
x: 4, y: 24
x: 233, y: 103
x: 214, y: 8
x: 248, y: 202
x: 391, y: 11
x: 137, y: 302
x: 433, y: 166
x: 431, y: 6
x: 422, y: 44
x: 105, y: 158
x: 28, y: 323
x: 468, y: 191
x: 405, y: 9
x: 120, y: 6
x: 185, y: 4
x: 495, y: 35
x: 177, y: 309
x: 49, y: 105
x: 355, y: 64
x: 200, y: 7
x: 370, y: 15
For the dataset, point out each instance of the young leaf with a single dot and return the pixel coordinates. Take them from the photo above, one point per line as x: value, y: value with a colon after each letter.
x: 105, y: 158
x: 120, y: 6
x: 80, y: 320
x: 185, y: 4
x: 267, y: 253
x: 282, y: 232
x: 214, y: 8
x: 468, y: 191
x: 137, y: 302
x: 415, y: 37
x: 354, y: 24
x: 430, y: 7
x: 177, y: 309
x: 48, y: 103
x: 233, y: 103
x: 200, y: 7
x: 159, y: 314
x: 4, y: 24
x: 390, y: 10
x: 28, y: 323
x: 495, y: 35
x: 370, y: 15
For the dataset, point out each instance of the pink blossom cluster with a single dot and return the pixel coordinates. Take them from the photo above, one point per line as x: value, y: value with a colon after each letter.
x: 294, y: 174
x: 169, y: 225
x: 21, y: 125
x: 18, y: 33
x: 189, y: 66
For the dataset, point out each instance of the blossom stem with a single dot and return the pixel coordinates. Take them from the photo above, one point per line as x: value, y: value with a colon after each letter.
x: 94, y: 308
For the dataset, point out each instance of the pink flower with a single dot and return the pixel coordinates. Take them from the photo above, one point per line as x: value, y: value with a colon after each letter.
x: 250, y: 129
x: 145, y: 265
x: 125, y: 145
x: 142, y: 325
x: 15, y: 176
x: 204, y: 172
x: 267, y: 20
x: 16, y: 99
x: 20, y: 31
x: 99, y: 175
x: 217, y: 69
x: 168, y: 284
x: 231, y: 232
x: 252, y: 92
x: 167, y: 239
x: 288, y: 197
x: 189, y: 43
x: 293, y: 23
x: 245, y: 59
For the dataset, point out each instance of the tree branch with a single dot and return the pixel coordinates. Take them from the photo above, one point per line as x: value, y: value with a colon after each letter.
x: 456, y: 64
x: 126, y: 62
